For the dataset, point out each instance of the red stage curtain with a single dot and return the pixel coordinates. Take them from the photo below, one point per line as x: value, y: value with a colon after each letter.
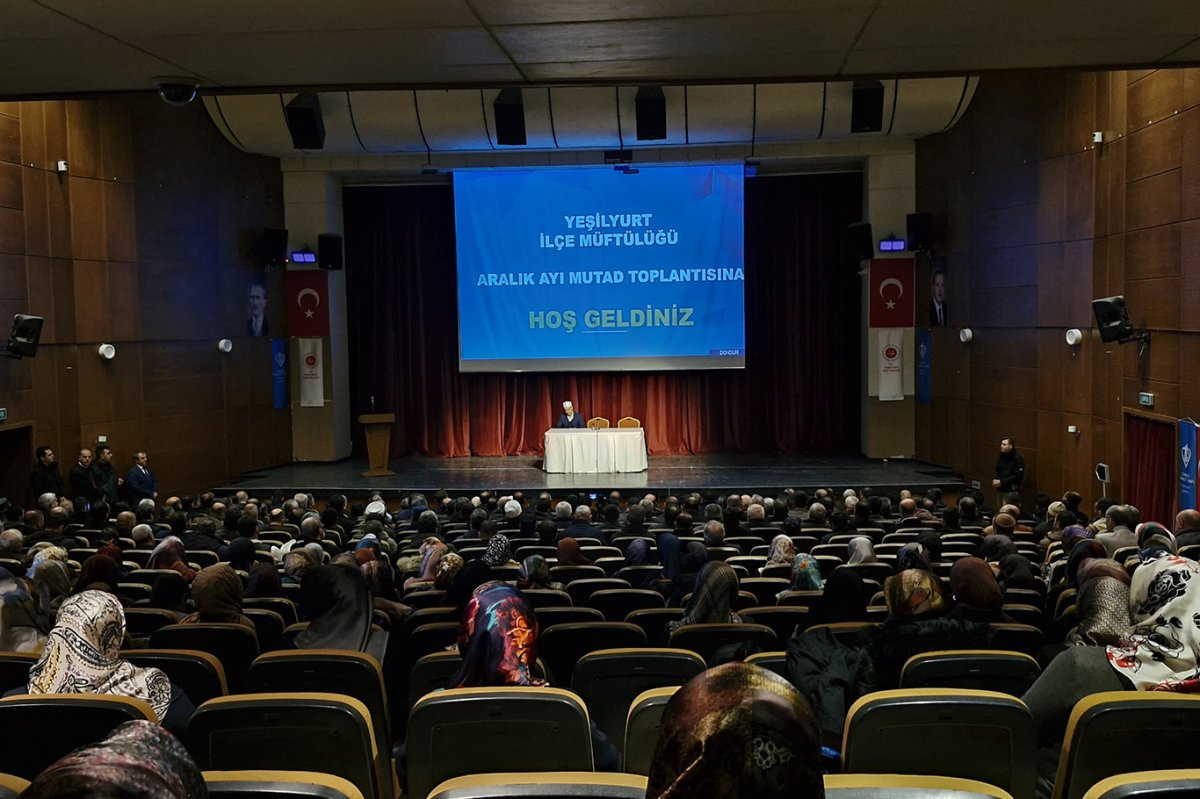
x: 798, y: 392
x: 1150, y: 480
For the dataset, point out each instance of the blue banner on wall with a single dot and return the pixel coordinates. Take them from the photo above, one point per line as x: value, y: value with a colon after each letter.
x: 924, y: 365
x: 279, y: 349
x: 1187, y: 464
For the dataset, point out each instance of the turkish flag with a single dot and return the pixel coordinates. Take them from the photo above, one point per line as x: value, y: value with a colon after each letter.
x: 308, y: 302
x: 892, y: 288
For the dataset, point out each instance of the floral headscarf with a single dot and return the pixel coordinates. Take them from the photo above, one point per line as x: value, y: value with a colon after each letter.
x: 497, y: 639
x: 806, y: 573
x: 1161, y: 651
x: 498, y: 552
x: 782, y: 552
x: 913, y: 592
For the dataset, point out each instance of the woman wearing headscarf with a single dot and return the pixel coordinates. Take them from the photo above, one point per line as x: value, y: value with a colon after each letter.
x: 138, y: 760
x: 843, y: 598
x: 712, y: 601
x: 638, y: 554
x: 217, y: 593
x: 432, y: 551
x: 42, y: 552
x: 535, y: 574
x: 382, y: 585
x: 469, y: 577
x: 912, y: 556
x: 82, y: 656
x: 448, y: 567
x: 240, y: 553
x: 931, y: 541
x: 569, y: 553
x: 695, y: 558
x: 52, y: 585
x: 860, y: 550
x: 737, y: 730
x: 170, y: 554
x: 498, y: 552
x: 297, y: 563
x: 1153, y: 536
x: 806, y: 574
x: 670, y: 554
x: 781, y: 553
x: 169, y: 593
x: 1017, y: 572
x: 977, y: 594
x: 1102, y: 605
x: 20, y: 628
x: 99, y: 572
x: 997, y: 546
x: 264, y: 581
x: 338, y: 605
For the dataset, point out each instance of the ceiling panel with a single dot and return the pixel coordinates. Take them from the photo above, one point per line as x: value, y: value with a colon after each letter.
x: 669, y: 70
x: 24, y: 19
x: 36, y: 66
x: 540, y: 12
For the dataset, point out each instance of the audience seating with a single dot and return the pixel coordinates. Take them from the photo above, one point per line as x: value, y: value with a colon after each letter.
x: 617, y: 603
x: 638, y: 576
x: 706, y: 639
x: 328, y: 733
x: 654, y: 623
x: 781, y: 620
x: 150, y: 576
x: 202, y: 557
x: 278, y: 785
x: 872, y: 571
x: 14, y: 670
x: 268, y: 626
x: 610, y: 679
x: 641, y: 728
x: 580, y: 590
x: 430, y: 598
x: 562, y: 645
x: 544, y: 598
x: 286, y: 608
x: 432, y: 672
x: 355, y: 674
x: 906, y: 786
x: 12, y: 786
x: 982, y: 669
x: 543, y: 785
x: 1168, y: 784
x: 803, y: 599
x: 550, y: 616
x: 40, y: 729
x: 1025, y: 614
x: 232, y: 644
x: 1017, y: 637
x: 438, y: 615
x: 139, y: 556
x: 548, y: 727
x: 432, y: 638
x: 982, y: 735
x: 765, y: 589
x: 771, y: 661
x: 198, y: 674
x: 850, y: 633
x: 1113, y: 732
x: 569, y: 574
x: 778, y: 572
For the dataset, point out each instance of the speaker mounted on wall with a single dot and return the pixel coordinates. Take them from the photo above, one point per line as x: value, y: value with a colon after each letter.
x: 509, y: 108
x: 650, y: 106
x: 866, y: 107
x: 305, y: 122
x: 858, y: 244
x: 273, y: 247
x: 919, y: 232
x: 329, y: 251
x: 24, y: 338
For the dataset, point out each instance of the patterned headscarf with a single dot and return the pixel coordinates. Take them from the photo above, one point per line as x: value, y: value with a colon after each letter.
x: 498, y: 550
x: 138, y: 760
x: 83, y: 656
x: 806, y: 573
x: 449, y: 565
x: 44, y: 553
x: 912, y: 556
x: 1161, y: 651
x: 1103, y: 612
x: 1152, y: 535
x: 913, y: 592
x: 534, y: 573
x: 497, y: 639
x: 737, y: 730
x: 432, y: 552
x: 782, y: 552
x: 712, y: 601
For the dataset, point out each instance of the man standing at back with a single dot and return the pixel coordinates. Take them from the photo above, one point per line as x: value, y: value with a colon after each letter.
x: 45, y: 478
x: 1010, y: 468
x: 83, y: 478
x: 140, y: 480
x: 107, y: 479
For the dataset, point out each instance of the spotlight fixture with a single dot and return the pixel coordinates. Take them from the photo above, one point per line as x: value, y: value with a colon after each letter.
x: 965, y: 334
x: 1074, y: 336
x: 225, y: 345
x: 106, y: 351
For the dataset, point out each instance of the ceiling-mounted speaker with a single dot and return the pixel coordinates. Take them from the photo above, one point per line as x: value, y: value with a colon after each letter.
x: 919, y: 232
x: 651, y: 108
x: 866, y: 107
x: 857, y: 243
x: 274, y: 247
x: 329, y: 251
x: 304, y: 121
x: 509, y: 107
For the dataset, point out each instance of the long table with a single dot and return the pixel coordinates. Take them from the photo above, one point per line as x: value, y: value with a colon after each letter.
x: 591, y: 451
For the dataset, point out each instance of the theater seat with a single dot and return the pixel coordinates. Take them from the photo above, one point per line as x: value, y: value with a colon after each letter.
x: 609, y: 680
x: 706, y: 639
x: 548, y: 617
x: 198, y: 674
x: 654, y: 623
x: 234, y: 645
x: 641, y: 728
x: 562, y: 645
x: 14, y: 670
x: 39, y: 729
x: 278, y: 785
x: 543, y: 598
x: 983, y: 669
x: 1113, y: 732
x: 907, y: 786
x: 983, y: 735
x: 782, y: 620
x: 462, y: 731
x: 617, y: 603
x: 581, y: 590
x: 1168, y: 784
x: 11, y: 786
x: 144, y: 622
x: 543, y: 785
x: 286, y: 608
x: 771, y: 661
x: 327, y: 733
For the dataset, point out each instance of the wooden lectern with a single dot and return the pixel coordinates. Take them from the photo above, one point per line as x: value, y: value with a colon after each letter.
x: 378, y: 427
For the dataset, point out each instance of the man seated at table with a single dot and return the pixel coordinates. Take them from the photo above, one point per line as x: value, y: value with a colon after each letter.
x: 568, y: 418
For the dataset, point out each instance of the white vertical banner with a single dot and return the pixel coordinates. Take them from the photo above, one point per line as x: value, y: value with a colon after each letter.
x: 891, y: 364
x: 312, y: 379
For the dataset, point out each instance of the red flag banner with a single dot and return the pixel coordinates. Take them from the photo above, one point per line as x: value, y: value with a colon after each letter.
x: 308, y: 303
x: 892, y: 288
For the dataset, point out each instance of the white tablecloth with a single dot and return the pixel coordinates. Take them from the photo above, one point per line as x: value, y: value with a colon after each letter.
x: 588, y: 451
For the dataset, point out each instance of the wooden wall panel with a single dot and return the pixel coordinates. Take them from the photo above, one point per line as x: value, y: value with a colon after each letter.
x: 1153, y: 201
x: 1153, y: 98
x: 10, y: 139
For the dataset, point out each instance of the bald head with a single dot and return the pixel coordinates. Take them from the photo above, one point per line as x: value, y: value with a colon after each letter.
x: 11, y: 541
x: 126, y: 519
x: 311, y: 529
x: 908, y: 507
x: 1188, y: 519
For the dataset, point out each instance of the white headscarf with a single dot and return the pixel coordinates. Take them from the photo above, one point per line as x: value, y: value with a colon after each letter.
x: 1161, y: 651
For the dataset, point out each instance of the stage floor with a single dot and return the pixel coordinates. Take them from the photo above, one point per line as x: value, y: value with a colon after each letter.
x: 666, y: 475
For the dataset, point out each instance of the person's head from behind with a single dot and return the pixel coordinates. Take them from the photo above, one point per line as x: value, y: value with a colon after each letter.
x: 497, y: 639
x: 737, y: 730
x: 714, y: 534
x: 968, y: 509
x: 143, y: 536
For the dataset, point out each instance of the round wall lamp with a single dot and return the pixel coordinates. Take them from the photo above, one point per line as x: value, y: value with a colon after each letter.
x: 965, y: 334
x: 225, y: 345
x: 1074, y: 336
x: 106, y: 351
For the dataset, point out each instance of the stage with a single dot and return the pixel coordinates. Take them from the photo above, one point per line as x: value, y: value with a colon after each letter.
x: 666, y: 475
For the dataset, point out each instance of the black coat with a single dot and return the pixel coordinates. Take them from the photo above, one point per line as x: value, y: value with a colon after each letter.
x: 831, y: 676
x: 45, y: 479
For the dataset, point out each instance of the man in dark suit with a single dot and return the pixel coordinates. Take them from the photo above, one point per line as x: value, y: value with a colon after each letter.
x: 256, y: 320
x: 937, y: 300
x: 83, y: 479
x: 568, y: 418
x: 140, y: 481
x: 45, y: 477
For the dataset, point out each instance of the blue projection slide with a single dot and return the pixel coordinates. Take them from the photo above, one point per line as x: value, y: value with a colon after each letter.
x: 597, y: 269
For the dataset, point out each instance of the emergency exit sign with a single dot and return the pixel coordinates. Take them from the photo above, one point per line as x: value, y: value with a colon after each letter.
x: 3, y: 414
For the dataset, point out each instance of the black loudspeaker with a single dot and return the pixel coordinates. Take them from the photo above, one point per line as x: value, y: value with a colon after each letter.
x: 651, y: 108
x: 1112, y: 317
x: 858, y: 244
x: 919, y: 232
x: 24, y: 338
x: 274, y: 246
x: 866, y: 107
x: 329, y: 251
x: 509, y: 108
x: 304, y: 121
